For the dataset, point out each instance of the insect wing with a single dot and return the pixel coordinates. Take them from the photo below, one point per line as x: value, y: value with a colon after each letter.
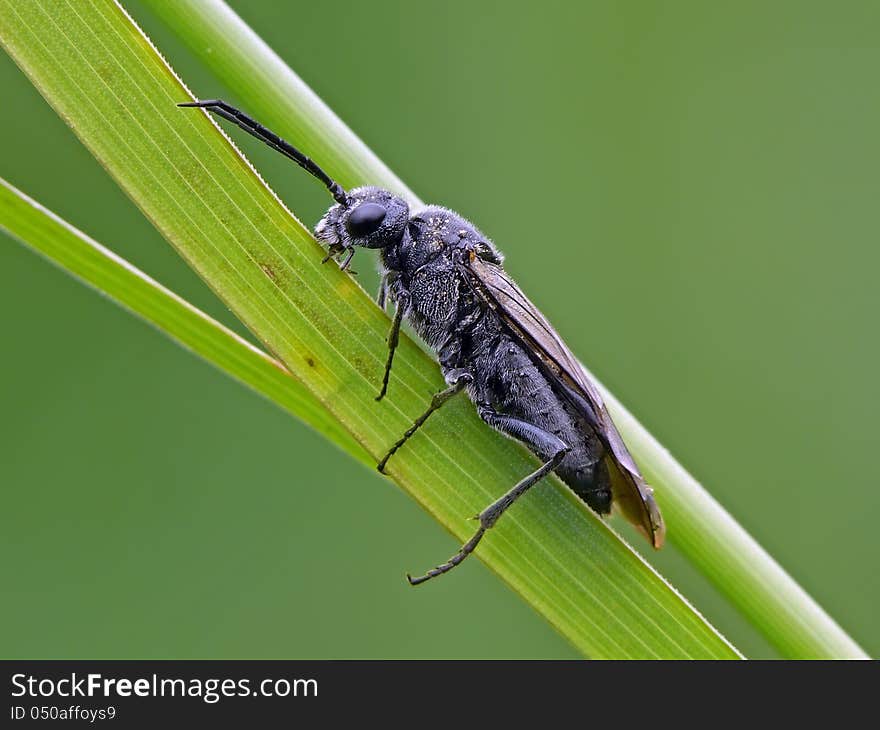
x: 632, y: 495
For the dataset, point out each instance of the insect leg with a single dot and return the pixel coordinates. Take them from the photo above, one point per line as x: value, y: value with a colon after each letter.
x: 382, y: 296
x: 541, y: 440
x: 458, y: 380
x: 393, y: 338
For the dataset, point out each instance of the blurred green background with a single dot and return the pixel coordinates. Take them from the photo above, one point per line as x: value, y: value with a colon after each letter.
x: 688, y: 190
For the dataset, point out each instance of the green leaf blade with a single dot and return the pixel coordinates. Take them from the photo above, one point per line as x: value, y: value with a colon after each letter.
x: 73, y: 251
x: 697, y: 524
x: 103, y: 77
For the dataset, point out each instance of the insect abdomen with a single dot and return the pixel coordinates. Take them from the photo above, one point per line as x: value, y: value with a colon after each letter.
x: 512, y: 384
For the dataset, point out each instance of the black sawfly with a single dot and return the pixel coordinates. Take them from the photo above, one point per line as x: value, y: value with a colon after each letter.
x: 446, y: 278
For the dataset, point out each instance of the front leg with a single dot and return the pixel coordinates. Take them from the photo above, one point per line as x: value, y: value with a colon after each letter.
x: 388, y: 279
x: 401, y: 306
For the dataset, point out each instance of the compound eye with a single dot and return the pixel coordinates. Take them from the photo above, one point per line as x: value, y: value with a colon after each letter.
x: 365, y: 219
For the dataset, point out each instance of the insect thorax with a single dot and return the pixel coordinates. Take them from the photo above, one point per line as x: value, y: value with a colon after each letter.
x: 423, y: 272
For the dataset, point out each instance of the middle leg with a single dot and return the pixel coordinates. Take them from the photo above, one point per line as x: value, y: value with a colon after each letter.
x: 458, y: 380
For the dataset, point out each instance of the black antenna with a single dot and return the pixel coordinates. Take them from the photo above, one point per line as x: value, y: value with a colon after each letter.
x: 254, y: 128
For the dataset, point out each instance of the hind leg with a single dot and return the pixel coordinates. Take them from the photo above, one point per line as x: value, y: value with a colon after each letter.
x: 539, y: 440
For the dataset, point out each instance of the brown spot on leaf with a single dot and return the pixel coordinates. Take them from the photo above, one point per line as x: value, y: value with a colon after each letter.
x: 361, y: 366
x: 270, y: 272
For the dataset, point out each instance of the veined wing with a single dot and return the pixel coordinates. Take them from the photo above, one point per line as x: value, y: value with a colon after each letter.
x: 631, y: 494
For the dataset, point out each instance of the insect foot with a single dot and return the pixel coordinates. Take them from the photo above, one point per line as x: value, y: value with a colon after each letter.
x: 463, y: 552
